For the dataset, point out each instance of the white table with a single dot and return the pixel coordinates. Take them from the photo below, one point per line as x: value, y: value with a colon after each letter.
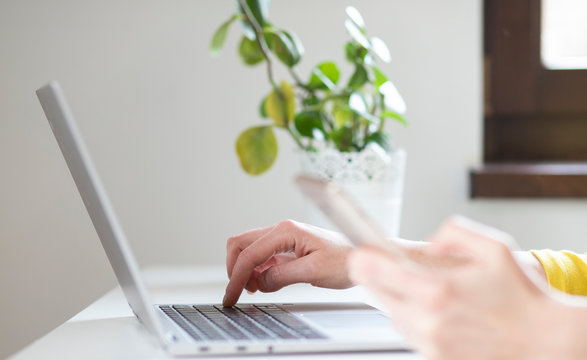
x: 107, y: 328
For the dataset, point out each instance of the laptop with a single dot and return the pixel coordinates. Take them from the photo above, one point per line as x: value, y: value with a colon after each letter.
x: 206, y: 329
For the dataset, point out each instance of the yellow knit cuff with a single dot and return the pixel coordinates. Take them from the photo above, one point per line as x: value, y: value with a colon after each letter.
x: 565, y: 270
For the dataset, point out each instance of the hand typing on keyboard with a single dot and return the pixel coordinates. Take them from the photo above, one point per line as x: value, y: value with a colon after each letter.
x: 289, y: 252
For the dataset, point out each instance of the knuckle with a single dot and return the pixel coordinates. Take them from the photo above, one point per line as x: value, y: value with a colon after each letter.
x: 246, y: 254
x: 499, y: 252
x: 287, y: 224
x: 501, y: 249
x: 232, y: 242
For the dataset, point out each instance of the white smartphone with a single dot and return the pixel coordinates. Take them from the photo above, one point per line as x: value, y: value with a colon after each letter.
x: 346, y: 214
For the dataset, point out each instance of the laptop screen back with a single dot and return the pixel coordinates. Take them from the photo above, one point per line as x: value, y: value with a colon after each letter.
x: 97, y: 204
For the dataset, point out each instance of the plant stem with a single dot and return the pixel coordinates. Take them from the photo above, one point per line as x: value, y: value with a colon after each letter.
x: 296, y: 78
x: 333, y: 96
x: 381, y: 124
x: 299, y: 82
x: 381, y: 118
x: 295, y: 137
x: 260, y: 40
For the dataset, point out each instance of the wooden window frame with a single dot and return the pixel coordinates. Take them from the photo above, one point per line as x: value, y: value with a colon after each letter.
x: 535, y: 121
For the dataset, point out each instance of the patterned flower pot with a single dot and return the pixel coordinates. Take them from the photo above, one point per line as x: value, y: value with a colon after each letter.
x: 373, y: 177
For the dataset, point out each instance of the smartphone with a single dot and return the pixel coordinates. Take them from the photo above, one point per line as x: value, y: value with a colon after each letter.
x: 346, y: 214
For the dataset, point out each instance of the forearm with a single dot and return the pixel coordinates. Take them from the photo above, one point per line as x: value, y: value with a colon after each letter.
x: 415, y: 250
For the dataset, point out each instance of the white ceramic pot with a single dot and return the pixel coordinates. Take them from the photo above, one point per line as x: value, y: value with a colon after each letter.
x: 373, y: 177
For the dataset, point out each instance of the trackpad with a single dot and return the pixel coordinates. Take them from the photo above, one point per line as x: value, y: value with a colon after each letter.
x: 338, y: 320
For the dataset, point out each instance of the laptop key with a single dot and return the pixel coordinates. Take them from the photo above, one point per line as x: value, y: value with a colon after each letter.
x: 268, y: 322
x: 199, y: 321
x: 245, y: 322
x: 291, y: 321
x: 181, y: 322
x: 259, y: 322
x: 220, y: 320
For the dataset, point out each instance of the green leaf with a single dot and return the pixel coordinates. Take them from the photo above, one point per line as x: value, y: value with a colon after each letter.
x: 257, y: 149
x: 355, y: 17
x: 392, y: 98
x: 310, y: 100
x: 355, y: 53
x: 324, y: 76
x: 307, y: 122
x: 295, y: 40
x: 263, y: 109
x: 220, y: 35
x: 284, y: 46
x: 342, y: 114
x: 380, y: 138
x: 358, y: 105
x: 250, y: 52
x: 393, y: 115
x: 260, y: 12
x: 342, y: 138
x: 350, y: 51
x: 356, y: 33
x: 359, y: 77
x: 280, y: 104
x: 379, y: 48
x: 380, y: 77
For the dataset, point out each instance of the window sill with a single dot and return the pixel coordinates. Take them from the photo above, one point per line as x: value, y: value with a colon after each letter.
x: 536, y: 180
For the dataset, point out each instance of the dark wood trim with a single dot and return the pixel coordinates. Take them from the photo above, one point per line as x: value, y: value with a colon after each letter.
x: 514, y: 51
x: 538, y: 180
x: 520, y: 84
x: 536, y: 138
x: 563, y: 91
x: 535, y: 129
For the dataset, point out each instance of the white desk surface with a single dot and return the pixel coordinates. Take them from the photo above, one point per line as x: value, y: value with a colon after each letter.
x: 107, y: 328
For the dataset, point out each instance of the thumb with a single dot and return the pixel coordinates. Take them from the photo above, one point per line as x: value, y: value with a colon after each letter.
x: 287, y: 273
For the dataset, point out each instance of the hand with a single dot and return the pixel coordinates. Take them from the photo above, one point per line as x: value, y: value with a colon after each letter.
x: 482, y: 307
x: 289, y: 252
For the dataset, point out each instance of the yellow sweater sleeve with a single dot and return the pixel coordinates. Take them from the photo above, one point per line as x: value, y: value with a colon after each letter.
x: 565, y: 270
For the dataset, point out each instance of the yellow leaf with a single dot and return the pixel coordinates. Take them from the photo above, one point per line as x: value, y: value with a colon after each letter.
x: 256, y: 148
x: 281, y: 105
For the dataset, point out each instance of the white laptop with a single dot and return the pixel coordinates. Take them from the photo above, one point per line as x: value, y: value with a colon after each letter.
x: 205, y: 329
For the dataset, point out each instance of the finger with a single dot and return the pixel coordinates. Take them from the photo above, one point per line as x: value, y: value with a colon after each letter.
x: 301, y: 270
x: 278, y: 240
x: 380, y: 272
x: 252, y: 285
x: 237, y: 243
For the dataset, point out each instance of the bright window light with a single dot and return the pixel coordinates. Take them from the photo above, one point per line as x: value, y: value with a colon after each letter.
x: 564, y: 34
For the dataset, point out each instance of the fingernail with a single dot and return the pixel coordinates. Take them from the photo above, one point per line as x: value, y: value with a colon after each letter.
x: 250, y: 292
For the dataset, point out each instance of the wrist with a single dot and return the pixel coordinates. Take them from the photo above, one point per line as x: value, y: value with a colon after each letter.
x: 560, y: 331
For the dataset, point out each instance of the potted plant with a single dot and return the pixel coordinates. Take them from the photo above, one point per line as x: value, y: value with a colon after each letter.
x: 338, y: 125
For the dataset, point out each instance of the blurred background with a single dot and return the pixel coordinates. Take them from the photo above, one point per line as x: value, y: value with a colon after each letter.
x: 160, y: 118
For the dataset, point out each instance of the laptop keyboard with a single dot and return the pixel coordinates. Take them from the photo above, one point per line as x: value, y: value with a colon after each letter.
x: 242, y: 322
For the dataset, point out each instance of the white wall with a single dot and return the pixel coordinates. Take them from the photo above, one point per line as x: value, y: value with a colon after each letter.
x: 160, y: 118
